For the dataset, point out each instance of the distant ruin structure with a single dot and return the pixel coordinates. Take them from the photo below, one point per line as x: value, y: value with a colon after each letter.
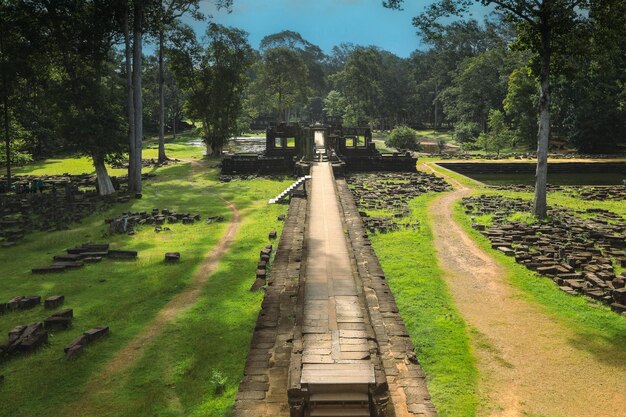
x: 290, y: 148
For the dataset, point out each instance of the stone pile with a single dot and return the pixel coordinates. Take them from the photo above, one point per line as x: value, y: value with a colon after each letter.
x: 214, y: 219
x: 523, y: 188
x: 392, y: 192
x: 578, y: 253
x: 599, y: 193
x: 80, y: 255
x: 523, y: 155
x: 387, y: 224
x: 584, y: 192
x: 77, y: 345
x: 24, y: 339
x: 23, y: 302
x: 26, y: 302
x: 245, y: 177
x: 28, y: 338
x: 262, y: 268
x: 64, y: 200
x: 129, y: 221
x: 146, y: 163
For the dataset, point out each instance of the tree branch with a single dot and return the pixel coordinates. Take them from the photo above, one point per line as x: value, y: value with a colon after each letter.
x: 517, y: 11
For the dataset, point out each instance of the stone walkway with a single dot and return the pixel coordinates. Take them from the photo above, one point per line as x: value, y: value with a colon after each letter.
x: 334, y: 325
x: 341, y: 336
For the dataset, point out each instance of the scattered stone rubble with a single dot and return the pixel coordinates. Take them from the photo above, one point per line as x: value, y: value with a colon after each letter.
x: 28, y: 338
x: 77, y: 345
x: 80, y: 255
x: 578, y: 253
x: 245, y: 177
x: 524, y: 155
x: 262, y: 268
x: 64, y: 199
x: 597, y: 193
x: 129, y: 221
x: 584, y: 192
x: 146, y: 163
x: 392, y: 192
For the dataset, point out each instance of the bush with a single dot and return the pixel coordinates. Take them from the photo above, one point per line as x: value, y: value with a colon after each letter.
x: 403, y: 138
x: 19, y: 156
x: 466, y: 132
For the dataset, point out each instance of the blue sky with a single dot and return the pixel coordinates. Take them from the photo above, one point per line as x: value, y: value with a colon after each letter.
x: 326, y: 22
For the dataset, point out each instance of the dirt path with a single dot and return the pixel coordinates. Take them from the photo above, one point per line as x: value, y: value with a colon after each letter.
x: 129, y: 354
x: 529, y: 362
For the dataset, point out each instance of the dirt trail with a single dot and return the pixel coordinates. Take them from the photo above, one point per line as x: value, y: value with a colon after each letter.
x: 530, y: 363
x: 129, y: 354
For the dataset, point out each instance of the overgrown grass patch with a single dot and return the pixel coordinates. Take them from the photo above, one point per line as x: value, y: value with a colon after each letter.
x: 180, y: 374
x: 438, y: 332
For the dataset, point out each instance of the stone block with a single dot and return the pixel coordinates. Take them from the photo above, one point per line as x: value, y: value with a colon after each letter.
x: 122, y: 254
x: 96, y: 333
x: 172, y: 257
x: 54, y: 301
x: 619, y: 295
x: 68, y: 312
x: 48, y: 269
x: 70, y: 265
x: 28, y: 302
x: 81, y: 341
x: 57, y: 322
x: 33, y: 340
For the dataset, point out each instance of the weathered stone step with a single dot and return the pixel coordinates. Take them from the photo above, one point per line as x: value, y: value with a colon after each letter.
x: 337, y: 412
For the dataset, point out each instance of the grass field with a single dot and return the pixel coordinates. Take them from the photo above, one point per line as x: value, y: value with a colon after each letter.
x: 175, y: 149
x: 438, y: 332
x: 195, y: 365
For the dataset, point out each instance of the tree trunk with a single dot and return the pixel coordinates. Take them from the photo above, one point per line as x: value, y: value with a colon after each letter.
x: 541, y: 177
x: 162, y: 156
x: 135, y: 186
x: 5, y: 105
x: 174, y: 126
x: 436, y: 104
x: 7, y: 138
x: 129, y: 100
x: 105, y: 186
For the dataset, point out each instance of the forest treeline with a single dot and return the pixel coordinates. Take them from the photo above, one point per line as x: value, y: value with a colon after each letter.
x: 76, y: 78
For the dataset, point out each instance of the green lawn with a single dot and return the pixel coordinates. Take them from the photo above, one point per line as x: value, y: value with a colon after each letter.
x: 438, y: 332
x: 177, y: 375
x: 175, y: 149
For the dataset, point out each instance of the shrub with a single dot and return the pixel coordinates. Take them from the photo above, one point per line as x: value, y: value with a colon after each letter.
x: 403, y: 138
x: 466, y: 132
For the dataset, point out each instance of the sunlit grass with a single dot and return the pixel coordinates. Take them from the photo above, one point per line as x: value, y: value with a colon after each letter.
x: 174, y: 377
x: 438, y: 332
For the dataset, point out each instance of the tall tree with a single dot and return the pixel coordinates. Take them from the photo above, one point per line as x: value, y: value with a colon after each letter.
x: 83, y: 34
x: 130, y: 100
x: 361, y: 80
x: 165, y: 13
x: 542, y: 24
x: 281, y: 82
x: 21, y: 54
x: 135, y: 152
x: 215, y: 75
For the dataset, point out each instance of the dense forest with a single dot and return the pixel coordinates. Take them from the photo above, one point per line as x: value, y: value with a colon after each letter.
x: 76, y: 78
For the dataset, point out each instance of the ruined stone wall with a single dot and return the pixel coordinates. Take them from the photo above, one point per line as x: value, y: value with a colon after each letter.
x: 263, y: 389
x: 405, y: 378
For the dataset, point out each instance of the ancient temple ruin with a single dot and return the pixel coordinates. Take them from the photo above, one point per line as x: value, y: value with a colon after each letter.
x: 290, y: 148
